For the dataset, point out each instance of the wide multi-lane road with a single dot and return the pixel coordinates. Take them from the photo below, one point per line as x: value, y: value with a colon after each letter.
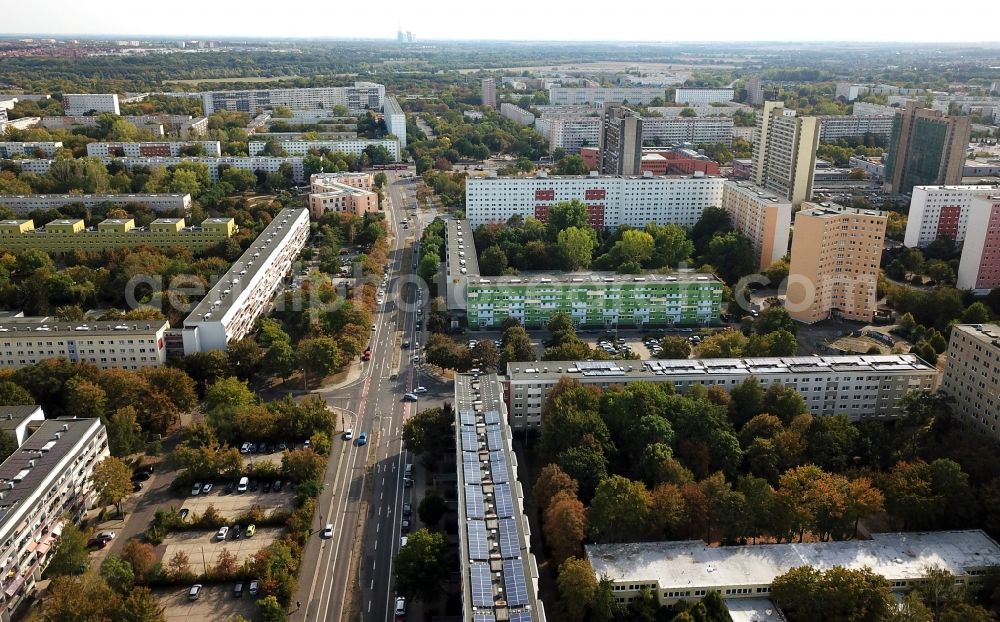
x: 364, y: 483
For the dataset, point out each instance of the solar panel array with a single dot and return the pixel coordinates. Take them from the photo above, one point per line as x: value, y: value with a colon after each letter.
x: 482, y: 584
x: 515, y: 585
x: 468, y: 417
x: 494, y: 438
x: 519, y: 616
x: 471, y: 469
x: 487, y: 617
x: 504, y: 500
x: 470, y: 440
x: 491, y: 417
x: 498, y: 466
x: 474, y: 502
x: 509, y: 543
x: 479, y: 544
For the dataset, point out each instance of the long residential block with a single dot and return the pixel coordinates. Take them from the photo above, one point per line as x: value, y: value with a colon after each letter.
x: 76, y: 104
x: 570, y: 133
x: 697, y: 130
x: 979, y: 268
x: 395, y: 120
x: 354, y: 147
x: 358, y: 99
x: 942, y: 212
x: 264, y: 164
x: 47, y: 479
x: 972, y: 376
x: 610, y: 200
x: 575, y: 96
x: 868, y: 386
x: 703, y: 96
x: 228, y: 311
x: 45, y: 149
x: 153, y: 149
x: 117, y: 344
x: 761, y: 216
x: 516, y: 114
x: 64, y: 236
x: 26, y: 203
x: 835, y: 127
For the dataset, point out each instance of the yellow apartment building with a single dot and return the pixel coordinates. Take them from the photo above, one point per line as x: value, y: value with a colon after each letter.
x: 66, y: 235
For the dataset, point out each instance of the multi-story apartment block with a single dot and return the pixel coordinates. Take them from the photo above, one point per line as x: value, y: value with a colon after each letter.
x: 610, y: 200
x: 849, y: 91
x: 125, y: 345
x: 835, y: 127
x: 358, y: 99
x: 729, y: 110
x: 24, y: 204
x: 45, y: 480
x: 570, y: 133
x: 498, y: 570
x: 872, y: 165
x: 858, y: 386
x: 516, y: 114
x: 972, y: 376
x: 154, y: 126
x: 489, y: 88
x: 834, y: 265
x: 576, y: 96
x: 355, y: 147
x: 229, y: 310
x: 20, y: 421
x: 64, y: 236
x: 864, y: 109
x: 755, y: 91
x: 342, y: 193
x: 76, y: 104
x: 763, y: 217
x: 620, y: 141
x: 263, y: 164
x: 695, y: 130
x: 702, y: 96
x: 979, y: 268
x: 209, y: 148
x: 941, y: 212
x: 688, y: 570
x: 784, y: 154
x: 927, y: 147
x: 33, y: 149
x: 395, y: 120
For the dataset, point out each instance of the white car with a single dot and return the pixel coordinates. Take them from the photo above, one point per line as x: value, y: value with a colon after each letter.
x: 348, y: 434
x: 222, y: 533
x: 328, y: 530
x: 400, y: 606
x: 196, y: 490
x: 420, y: 390
x: 207, y: 488
x: 373, y: 326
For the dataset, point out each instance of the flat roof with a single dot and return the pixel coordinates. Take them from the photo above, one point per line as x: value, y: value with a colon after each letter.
x: 468, y: 246
x: 763, y: 193
x: 652, y: 369
x: 570, y: 278
x: 594, y: 177
x: 692, y: 564
x: 835, y: 209
x: 25, y: 327
x: 982, y: 332
x: 13, y: 416
x: 753, y: 610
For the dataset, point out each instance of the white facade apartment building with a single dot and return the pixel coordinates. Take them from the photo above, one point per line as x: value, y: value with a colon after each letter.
x: 763, y: 217
x: 941, y: 211
x: 152, y: 149
x: 858, y: 386
x: 27, y: 203
x: 46, y: 478
x: 697, y: 130
x: 570, y: 133
x: 395, y: 120
x: 979, y: 268
x: 834, y: 127
x: 784, y: 154
x: 972, y: 376
x: 702, y: 111
x: 576, y: 96
x: 77, y: 104
x: 703, y: 96
x: 864, y: 109
x: 610, y: 200
x: 516, y: 114
x: 254, y: 164
x: 18, y: 421
x: 228, y: 311
x: 354, y: 147
x: 11, y: 149
x: 489, y: 92
x: 358, y: 99
x: 108, y: 345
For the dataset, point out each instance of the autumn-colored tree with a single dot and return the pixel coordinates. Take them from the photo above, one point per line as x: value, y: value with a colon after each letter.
x: 564, y: 525
x: 174, y: 383
x: 667, y: 511
x: 551, y: 481
x: 88, y: 398
x: 140, y: 605
x: 141, y: 557
x: 179, y: 566
x: 226, y: 565
x: 84, y: 598
x: 113, y: 481
x: 799, y: 497
x: 577, y: 584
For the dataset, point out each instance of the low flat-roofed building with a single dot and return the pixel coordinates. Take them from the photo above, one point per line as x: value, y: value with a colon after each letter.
x: 688, y: 570
x: 18, y: 421
x: 131, y: 344
x: 48, y: 478
x: 753, y: 610
x: 342, y: 199
x: 23, y: 204
x: 64, y: 236
x: 860, y: 386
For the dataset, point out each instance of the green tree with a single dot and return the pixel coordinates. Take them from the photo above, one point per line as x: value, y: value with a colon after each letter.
x: 577, y: 584
x: 977, y: 313
x: 567, y: 214
x: 672, y: 245
x: 574, y: 247
x: 112, y: 481
x: 280, y: 360
x: 493, y: 261
x: 70, y: 555
x: 728, y: 343
x: 732, y: 256
x: 118, y: 574
x: 269, y: 609
x: 620, y: 510
x: 78, y: 598
x: 432, y: 508
x: 429, y: 432
x: 674, y: 348
x: 319, y: 355
x: 8, y: 444
x: 140, y: 605
x: 571, y: 165
x: 806, y: 593
x: 12, y: 394
x: 421, y: 565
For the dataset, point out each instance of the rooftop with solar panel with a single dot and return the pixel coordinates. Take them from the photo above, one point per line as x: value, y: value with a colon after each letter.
x: 499, y: 572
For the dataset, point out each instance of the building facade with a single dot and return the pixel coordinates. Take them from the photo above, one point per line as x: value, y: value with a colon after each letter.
x: 941, y: 212
x: 762, y: 217
x: 24, y: 204
x: 358, y: 99
x: 703, y: 96
x: 979, y: 268
x: 489, y: 88
x: 32, y: 149
x: 834, y: 264
x: 49, y: 477
x: 927, y: 148
x: 836, y: 127
x: 576, y: 96
x: 784, y: 155
x: 148, y: 149
x: 516, y: 114
x: 65, y: 236
x: 972, y: 376
x: 620, y: 141
x: 80, y: 104
x: 610, y: 200
x: 395, y: 120
x: 116, y: 344
x: 570, y: 133
x: 755, y: 91
x: 332, y: 196
x: 228, y: 311
x: 694, y: 130
x: 868, y: 386
x: 355, y: 147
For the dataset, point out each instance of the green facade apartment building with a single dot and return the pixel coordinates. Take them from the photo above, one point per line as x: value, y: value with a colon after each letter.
x: 595, y: 299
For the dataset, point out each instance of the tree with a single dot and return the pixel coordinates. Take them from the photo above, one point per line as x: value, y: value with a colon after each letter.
x: 674, y: 348
x: 492, y: 261
x: 270, y: 609
x: 124, y: 432
x: 486, y: 355
x: 564, y: 525
x: 301, y: 465
x: 140, y: 605
x: 577, y: 584
x: 140, y: 556
x: 179, y: 566
x: 272, y: 333
x: 319, y: 355
x: 620, y: 510
x: 551, y: 481
x: 574, y: 247
x: 732, y: 256
x: 84, y: 598
x: 800, y: 495
x: 977, y: 313
x: 432, y: 508
x: 672, y: 245
x: 70, y: 554
x: 8, y: 444
x: 113, y: 481
x: 565, y: 215
x: 245, y: 357
x: 421, y: 565
x: 728, y: 343
x: 228, y: 393
x: 429, y: 432
x: 12, y: 394
x: 118, y: 574
x: 831, y: 442
x: 806, y: 593
x: 784, y: 402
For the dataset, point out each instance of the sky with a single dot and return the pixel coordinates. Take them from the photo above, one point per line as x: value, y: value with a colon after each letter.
x: 548, y: 20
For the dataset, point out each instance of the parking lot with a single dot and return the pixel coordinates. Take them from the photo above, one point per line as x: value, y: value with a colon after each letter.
x: 215, y: 602
x: 234, y: 504
x: 202, y: 548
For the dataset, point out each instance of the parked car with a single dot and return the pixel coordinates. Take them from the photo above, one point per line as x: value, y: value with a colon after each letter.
x: 236, y: 532
x: 400, y: 609
x: 230, y: 487
x: 207, y: 488
x: 267, y: 487
x: 251, y: 529
x: 277, y: 486
x: 253, y: 448
x: 140, y: 476
x: 221, y: 534
x: 245, y: 448
x: 254, y: 485
x: 402, y: 541
x: 136, y: 486
x: 420, y: 390
x: 184, y: 513
x: 404, y: 526
x: 194, y: 592
x: 196, y: 490
x: 407, y: 509
x: 254, y: 587
x: 348, y: 434
x: 328, y: 530
x: 238, y: 590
